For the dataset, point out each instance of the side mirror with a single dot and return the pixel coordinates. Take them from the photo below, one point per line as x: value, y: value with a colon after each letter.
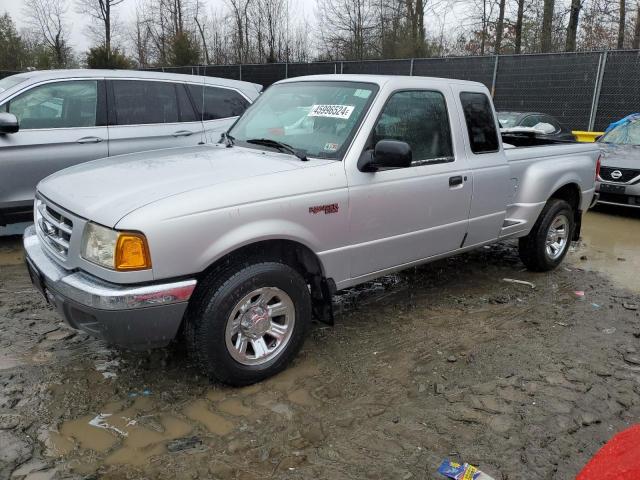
x: 387, y: 154
x: 8, y: 123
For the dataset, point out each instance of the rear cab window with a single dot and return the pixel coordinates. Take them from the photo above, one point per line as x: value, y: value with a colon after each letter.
x: 480, y: 120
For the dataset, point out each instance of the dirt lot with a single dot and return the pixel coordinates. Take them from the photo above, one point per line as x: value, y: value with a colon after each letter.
x: 447, y: 360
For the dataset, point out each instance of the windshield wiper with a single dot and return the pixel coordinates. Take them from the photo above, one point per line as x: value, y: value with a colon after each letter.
x: 283, y: 147
x: 228, y: 139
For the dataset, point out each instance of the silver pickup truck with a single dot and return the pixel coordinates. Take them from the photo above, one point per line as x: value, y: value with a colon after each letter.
x: 324, y: 183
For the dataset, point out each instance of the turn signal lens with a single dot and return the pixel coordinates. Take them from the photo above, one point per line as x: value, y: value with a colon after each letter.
x: 132, y: 252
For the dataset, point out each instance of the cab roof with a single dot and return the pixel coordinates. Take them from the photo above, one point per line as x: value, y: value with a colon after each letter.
x: 380, y: 80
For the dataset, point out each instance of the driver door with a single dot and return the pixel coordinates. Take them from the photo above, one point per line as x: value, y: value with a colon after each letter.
x: 406, y: 215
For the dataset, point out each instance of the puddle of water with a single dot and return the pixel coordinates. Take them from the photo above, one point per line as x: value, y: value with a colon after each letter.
x: 89, y: 437
x: 140, y: 434
x: 59, y: 446
x: 134, y: 456
x: 199, y: 412
x: 609, y: 235
x: 11, y: 252
x: 286, y: 380
x: 234, y: 407
x: 302, y: 397
x: 141, y: 443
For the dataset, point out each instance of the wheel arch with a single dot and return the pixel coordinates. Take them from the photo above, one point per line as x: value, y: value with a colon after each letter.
x: 293, y: 253
x: 571, y: 193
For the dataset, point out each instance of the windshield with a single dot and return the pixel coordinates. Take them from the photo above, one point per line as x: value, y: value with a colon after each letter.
x: 11, y: 81
x: 625, y: 134
x: 508, y: 119
x: 317, y: 119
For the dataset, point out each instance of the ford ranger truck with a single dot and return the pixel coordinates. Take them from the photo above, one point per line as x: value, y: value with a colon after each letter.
x: 325, y: 182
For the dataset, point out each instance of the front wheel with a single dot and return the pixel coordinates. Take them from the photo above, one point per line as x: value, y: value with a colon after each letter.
x: 548, y: 242
x: 250, y: 322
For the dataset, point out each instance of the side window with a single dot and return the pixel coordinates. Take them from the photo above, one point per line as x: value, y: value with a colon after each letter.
x: 481, y: 123
x: 187, y: 114
x: 57, y: 105
x: 141, y: 102
x: 420, y: 119
x: 218, y: 102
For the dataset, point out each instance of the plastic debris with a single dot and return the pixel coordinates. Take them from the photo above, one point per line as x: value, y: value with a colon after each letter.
x: 461, y: 472
x: 104, y: 367
x: 595, y: 305
x: 183, y: 444
x: 609, y: 331
x: 519, y: 282
x: 144, y: 393
x: 630, y: 306
x: 100, y: 422
x: 579, y: 293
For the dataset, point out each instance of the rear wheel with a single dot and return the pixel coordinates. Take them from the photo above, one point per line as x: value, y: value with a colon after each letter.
x: 249, y: 322
x: 548, y: 242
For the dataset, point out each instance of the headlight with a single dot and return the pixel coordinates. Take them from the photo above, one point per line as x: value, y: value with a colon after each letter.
x: 115, y: 250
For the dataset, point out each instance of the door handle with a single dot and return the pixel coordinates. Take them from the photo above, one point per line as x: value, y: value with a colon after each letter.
x: 89, y: 140
x: 455, y: 181
x: 182, y: 133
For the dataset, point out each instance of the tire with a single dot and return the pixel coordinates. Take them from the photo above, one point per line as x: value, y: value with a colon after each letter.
x: 536, y: 252
x: 231, y: 308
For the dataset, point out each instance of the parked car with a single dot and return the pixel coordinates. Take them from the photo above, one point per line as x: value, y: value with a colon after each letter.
x: 541, y: 121
x: 619, y: 179
x: 57, y: 118
x: 240, y: 243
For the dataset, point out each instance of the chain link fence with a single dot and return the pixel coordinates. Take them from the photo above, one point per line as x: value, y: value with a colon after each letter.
x: 585, y: 91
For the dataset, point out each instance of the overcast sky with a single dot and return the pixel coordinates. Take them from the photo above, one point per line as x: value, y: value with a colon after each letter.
x: 448, y: 14
x: 79, y: 38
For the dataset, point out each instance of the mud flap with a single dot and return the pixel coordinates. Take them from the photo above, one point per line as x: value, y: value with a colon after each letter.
x: 321, y: 304
x: 577, y: 226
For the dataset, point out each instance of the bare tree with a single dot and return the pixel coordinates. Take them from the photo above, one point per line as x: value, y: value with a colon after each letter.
x: 499, y: 27
x: 547, y: 21
x: 621, y: 24
x: 240, y: 15
x: 348, y: 28
x: 100, y: 11
x: 46, y: 17
x: 141, y: 37
x: 572, y: 28
x: 518, y: 28
x: 201, y: 30
x: 636, y: 33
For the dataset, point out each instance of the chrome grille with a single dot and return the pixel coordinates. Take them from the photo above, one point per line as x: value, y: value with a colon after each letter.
x: 53, y: 228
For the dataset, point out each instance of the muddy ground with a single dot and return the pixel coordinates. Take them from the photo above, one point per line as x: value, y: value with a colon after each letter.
x: 443, y: 361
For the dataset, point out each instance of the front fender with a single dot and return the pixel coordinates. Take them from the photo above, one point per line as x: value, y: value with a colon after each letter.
x: 254, y: 232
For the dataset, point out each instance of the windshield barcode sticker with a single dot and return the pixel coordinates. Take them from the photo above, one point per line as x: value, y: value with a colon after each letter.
x: 332, y: 111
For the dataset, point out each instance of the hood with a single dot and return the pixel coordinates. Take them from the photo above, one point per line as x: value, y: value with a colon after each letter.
x: 106, y: 190
x: 620, y: 156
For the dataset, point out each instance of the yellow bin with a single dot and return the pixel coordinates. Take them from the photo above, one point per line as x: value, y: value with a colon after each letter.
x: 584, y: 136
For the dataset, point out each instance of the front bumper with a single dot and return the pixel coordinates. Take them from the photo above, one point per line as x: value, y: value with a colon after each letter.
x: 624, y: 195
x: 136, y: 317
